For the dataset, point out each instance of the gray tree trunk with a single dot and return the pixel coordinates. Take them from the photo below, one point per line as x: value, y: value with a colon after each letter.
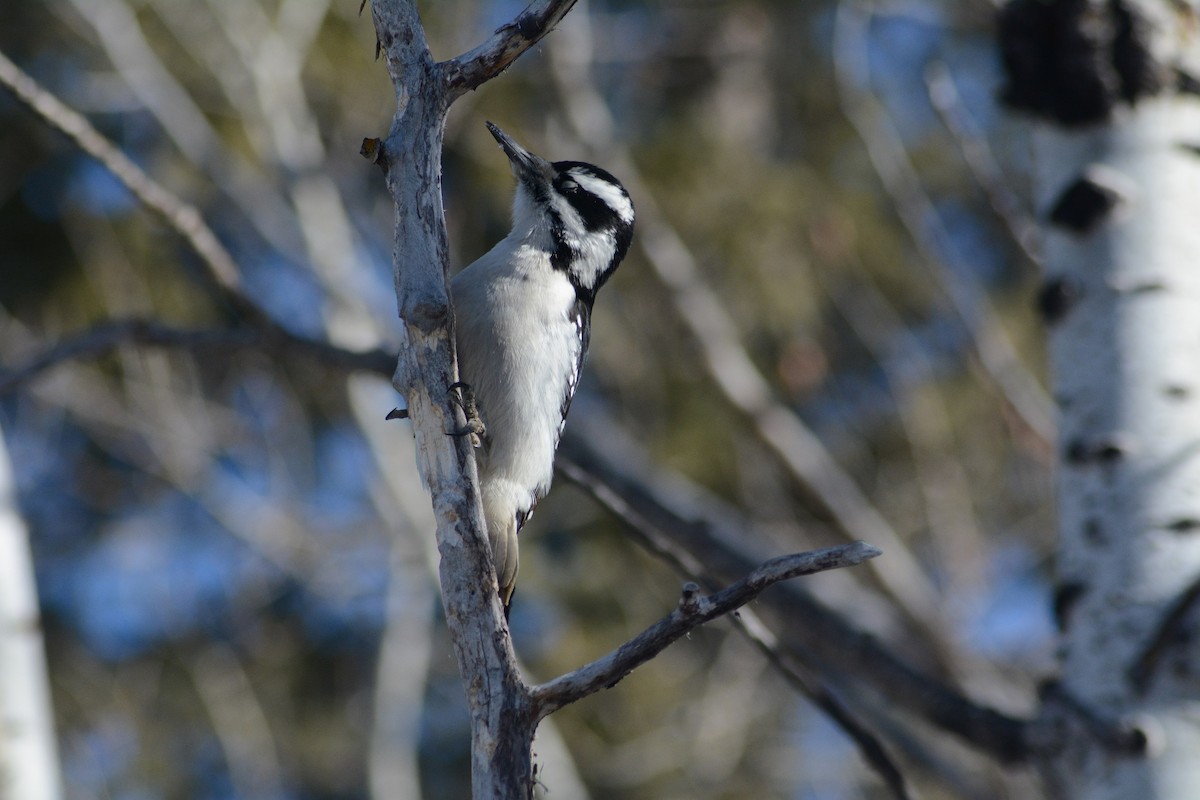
x: 1117, y: 177
x: 502, y: 714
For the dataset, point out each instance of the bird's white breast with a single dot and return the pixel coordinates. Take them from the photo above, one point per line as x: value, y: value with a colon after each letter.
x: 518, y: 349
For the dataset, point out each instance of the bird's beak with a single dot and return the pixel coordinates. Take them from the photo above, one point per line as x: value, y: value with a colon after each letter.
x: 525, y: 165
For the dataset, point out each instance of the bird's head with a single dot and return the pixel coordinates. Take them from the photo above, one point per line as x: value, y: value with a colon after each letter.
x: 579, y: 213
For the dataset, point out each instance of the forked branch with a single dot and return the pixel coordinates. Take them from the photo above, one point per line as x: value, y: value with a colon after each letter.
x: 693, y: 610
x: 472, y: 69
x: 689, y: 531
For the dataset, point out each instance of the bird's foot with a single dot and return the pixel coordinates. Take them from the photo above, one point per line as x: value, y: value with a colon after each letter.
x: 463, y: 396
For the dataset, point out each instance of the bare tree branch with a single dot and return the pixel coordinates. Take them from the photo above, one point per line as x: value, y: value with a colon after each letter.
x: 119, y: 30
x: 692, y: 611
x: 220, y: 270
x: 470, y: 70
x: 674, y: 552
x: 238, y: 720
x: 943, y: 94
x: 807, y: 684
x: 691, y: 529
x: 107, y: 336
x: 869, y: 746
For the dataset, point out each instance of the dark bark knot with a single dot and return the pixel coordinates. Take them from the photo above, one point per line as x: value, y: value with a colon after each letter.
x: 1186, y: 83
x: 1090, y: 200
x: 1170, y: 641
x: 1177, y: 391
x: 373, y: 150
x: 1116, y: 734
x: 1056, y: 298
x: 428, y: 316
x: 1106, y: 451
x: 1073, y: 61
x: 528, y: 25
x: 689, y: 600
x: 1066, y: 596
x: 1184, y: 525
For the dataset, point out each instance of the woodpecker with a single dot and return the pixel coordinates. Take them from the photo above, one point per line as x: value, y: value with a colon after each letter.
x: 523, y: 314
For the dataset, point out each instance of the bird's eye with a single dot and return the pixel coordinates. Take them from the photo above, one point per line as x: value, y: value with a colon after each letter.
x: 569, y: 186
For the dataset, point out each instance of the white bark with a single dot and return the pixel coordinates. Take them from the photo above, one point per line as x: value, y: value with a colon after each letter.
x: 28, y: 751
x: 1124, y: 314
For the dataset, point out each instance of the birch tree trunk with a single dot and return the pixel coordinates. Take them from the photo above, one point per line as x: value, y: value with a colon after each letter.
x: 1116, y: 144
x: 28, y: 752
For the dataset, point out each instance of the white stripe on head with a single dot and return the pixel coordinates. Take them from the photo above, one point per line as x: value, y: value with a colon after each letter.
x: 572, y: 222
x: 612, y: 195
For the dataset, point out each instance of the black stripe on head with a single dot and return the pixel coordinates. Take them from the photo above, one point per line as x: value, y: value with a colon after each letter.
x: 595, y: 213
x: 598, y: 197
x: 604, y: 208
x: 624, y: 237
x: 563, y: 254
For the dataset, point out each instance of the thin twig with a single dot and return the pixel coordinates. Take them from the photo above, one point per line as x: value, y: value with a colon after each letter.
x: 692, y: 611
x: 943, y: 95
x: 869, y: 746
x: 468, y: 71
x: 220, y: 269
x: 819, y: 636
x: 643, y: 531
x: 107, y: 336
x: 219, y: 272
x: 119, y: 30
x: 993, y: 350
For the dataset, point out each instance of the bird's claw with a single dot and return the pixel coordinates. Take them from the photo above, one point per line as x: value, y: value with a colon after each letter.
x: 462, y: 396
